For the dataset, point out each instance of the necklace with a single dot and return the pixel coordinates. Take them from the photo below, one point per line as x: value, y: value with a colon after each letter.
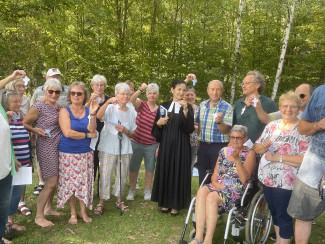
x: 78, y: 113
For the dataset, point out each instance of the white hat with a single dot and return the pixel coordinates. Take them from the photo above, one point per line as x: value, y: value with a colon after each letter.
x: 53, y: 71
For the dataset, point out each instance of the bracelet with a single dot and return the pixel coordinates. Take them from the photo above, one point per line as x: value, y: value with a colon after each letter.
x: 140, y: 90
x: 218, y: 123
x: 128, y: 132
x: 86, y: 135
x: 93, y: 114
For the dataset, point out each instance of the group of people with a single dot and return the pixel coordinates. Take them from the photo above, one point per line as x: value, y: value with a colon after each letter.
x: 79, y: 135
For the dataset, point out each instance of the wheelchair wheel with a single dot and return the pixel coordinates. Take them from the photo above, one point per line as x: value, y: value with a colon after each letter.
x: 259, y: 220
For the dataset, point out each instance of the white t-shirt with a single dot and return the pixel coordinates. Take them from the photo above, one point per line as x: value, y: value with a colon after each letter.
x: 5, y: 148
x: 109, y: 142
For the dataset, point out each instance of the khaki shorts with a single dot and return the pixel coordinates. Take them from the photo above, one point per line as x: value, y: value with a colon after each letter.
x: 305, y: 203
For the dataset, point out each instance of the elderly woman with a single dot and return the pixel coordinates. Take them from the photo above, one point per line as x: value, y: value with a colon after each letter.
x: 235, y: 165
x: 144, y: 145
x: 11, y: 101
x: 76, y: 168
x: 45, y: 115
x: 119, y: 121
x: 7, y: 160
x: 174, y: 122
x: 283, y: 148
x: 190, y: 96
x: 19, y: 85
x: 98, y: 84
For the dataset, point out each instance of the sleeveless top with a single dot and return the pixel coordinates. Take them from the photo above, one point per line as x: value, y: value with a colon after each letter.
x: 68, y: 145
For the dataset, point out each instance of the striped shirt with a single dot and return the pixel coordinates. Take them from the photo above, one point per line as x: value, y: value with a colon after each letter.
x: 20, y: 141
x: 209, y: 129
x: 145, y: 119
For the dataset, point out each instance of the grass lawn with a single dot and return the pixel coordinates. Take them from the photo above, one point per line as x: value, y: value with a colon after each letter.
x: 142, y: 224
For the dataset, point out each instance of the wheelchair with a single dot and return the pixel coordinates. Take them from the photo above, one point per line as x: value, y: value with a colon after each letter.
x: 251, y: 214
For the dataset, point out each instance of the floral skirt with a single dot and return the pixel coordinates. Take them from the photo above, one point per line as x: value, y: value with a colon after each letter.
x: 76, y: 176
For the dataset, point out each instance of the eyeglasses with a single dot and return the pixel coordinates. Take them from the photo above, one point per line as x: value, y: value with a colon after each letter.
x: 20, y: 87
x: 302, y: 96
x: 56, y: 92
x: 238, y: 138
x: 290, y: 106
x: 125, y: 94
x: 76, y: 93
x: 99, y: 85
x: 246, y: 83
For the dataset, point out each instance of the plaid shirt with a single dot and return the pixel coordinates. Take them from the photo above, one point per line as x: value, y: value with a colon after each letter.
x: 209, y: 129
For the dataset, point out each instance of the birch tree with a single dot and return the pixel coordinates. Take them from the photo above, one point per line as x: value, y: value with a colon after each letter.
x: 283, y: 51
x: 234, y: 76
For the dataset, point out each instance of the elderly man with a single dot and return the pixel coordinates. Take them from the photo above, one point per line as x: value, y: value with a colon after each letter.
x: 305, y: 204
x: 214, y: 119
x: 304, y: 91
x: 244, y: 110
x: 39, y: 93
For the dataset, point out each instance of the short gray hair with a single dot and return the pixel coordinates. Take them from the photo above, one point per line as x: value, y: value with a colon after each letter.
x: 11, y: 84
x: 5, y: 95
x: 216, y: 81
x: 190, y: 88
x: 52, y: 83
x: 152, y: 87
x: 98, y: 78
x: 121, y: 86
x: 241, y: 129
x: 258, y: 78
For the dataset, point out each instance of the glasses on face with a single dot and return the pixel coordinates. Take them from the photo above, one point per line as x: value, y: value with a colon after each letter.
x: 302, y: 96
x: 125, y: 94
x: 76, y: 93
x: 52, y: 91
x: 246, y: 83
x: 289, y: 106
x: 236, y: 138
x: 20, y: 86
x: 99, y: 85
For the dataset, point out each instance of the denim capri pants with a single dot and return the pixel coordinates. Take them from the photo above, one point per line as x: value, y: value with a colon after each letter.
x: 278, y: 201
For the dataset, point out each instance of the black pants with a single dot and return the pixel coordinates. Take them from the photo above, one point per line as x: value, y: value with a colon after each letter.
x: 207, y: 157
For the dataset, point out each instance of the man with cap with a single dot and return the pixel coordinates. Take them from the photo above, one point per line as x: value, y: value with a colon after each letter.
x: 39, y: 93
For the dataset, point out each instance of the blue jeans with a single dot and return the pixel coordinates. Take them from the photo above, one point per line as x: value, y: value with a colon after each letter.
x: 278, y: 201
x: 15, y: 196
x: 5, y: 187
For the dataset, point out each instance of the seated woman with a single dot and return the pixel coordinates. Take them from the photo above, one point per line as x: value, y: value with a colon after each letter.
x: 235, y: 165
x: 283, y: 148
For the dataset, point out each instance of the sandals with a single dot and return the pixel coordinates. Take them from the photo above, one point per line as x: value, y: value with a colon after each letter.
x: 9, y: 232
x: 197, y: 240
x: 23, y: 209
x: 38, y: 189
x: 99, y: 209
x: 122, y: 206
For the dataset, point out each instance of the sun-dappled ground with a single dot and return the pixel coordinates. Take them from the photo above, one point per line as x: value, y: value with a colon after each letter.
x: 142, y: 224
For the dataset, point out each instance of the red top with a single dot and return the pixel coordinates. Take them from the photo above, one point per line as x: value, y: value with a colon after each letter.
x: 145, y: 119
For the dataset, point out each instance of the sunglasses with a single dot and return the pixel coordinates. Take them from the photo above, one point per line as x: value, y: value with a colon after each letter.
x: 302, y: 96
x: 56, y: 92
x: 76, y: 93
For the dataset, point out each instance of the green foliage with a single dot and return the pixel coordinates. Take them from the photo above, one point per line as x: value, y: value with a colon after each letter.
x: 161, y: 40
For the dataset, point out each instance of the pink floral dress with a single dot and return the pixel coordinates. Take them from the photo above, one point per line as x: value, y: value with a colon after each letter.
x: 284, y: 142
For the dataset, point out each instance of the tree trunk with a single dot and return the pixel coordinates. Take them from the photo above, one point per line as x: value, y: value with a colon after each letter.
x: 283, y: 52
x: 234, y: 76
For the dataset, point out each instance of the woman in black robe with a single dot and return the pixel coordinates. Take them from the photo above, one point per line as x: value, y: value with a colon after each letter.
x: 172, y: 182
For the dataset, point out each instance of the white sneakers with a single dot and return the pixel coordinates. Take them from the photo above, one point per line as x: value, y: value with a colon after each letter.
x: 147, y: 195
x: 131, y: 195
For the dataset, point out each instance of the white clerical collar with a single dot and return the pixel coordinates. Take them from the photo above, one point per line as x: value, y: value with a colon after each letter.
x: 177, y: 107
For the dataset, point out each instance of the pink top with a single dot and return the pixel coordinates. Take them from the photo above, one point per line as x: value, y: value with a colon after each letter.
x: 145, y: 119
